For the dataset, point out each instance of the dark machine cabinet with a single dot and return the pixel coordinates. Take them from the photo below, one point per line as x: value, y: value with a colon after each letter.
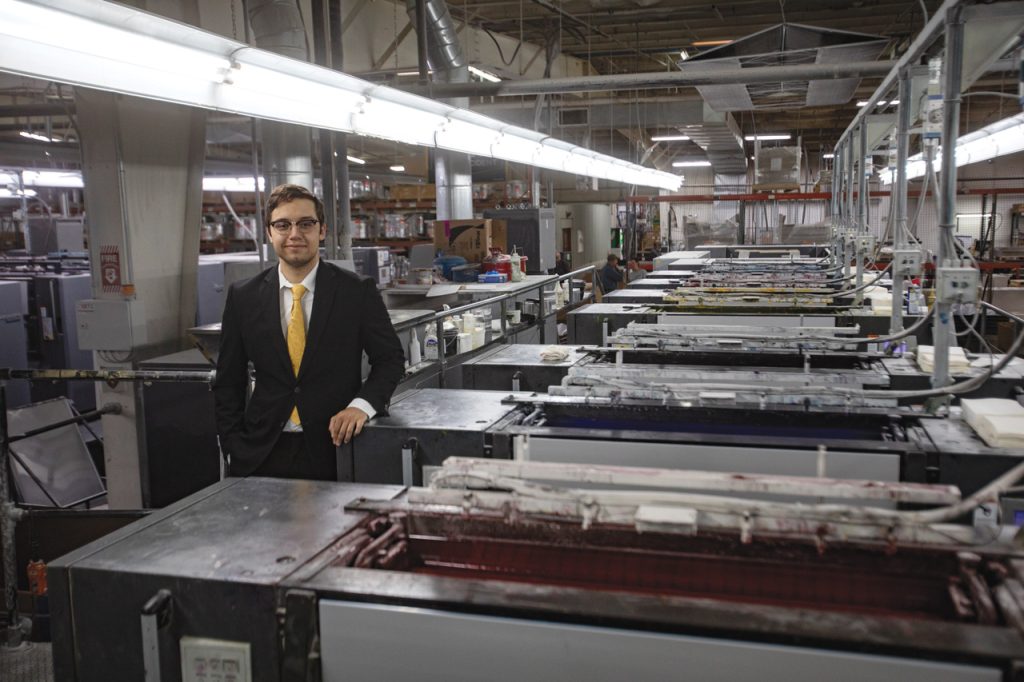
x: 532, y: 232
x: 220, y: 554
x: 14, y: 338
x: 54, y: 314
x: 181, y: 454
x: 426, y: 432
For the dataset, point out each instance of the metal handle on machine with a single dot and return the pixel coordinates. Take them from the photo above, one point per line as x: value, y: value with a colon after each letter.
x: 409, y: 461
x: 515, y: 379
x: 156, y: 614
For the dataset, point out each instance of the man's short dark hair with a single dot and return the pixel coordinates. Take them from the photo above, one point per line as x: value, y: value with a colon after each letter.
x: 284, y: 194
x: 612, y: 258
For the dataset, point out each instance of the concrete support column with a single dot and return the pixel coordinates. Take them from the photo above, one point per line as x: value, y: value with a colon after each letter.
x: 143, y: 171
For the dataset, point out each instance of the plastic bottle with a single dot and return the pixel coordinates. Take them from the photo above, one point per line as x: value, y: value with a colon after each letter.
x: 430, y: 345
x: 414, y: 349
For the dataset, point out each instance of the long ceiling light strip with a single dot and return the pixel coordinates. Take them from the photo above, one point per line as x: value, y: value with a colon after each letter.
x: 996, y: 139
x: 72, y: 179
x: 101, y: 45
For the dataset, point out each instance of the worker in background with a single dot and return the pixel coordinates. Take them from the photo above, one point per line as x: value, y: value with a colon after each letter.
x: 610, y: 276
x: 634, y: 271
x: 304, y: 324
x: 561, y: 267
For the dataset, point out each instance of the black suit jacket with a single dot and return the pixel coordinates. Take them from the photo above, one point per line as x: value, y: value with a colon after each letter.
x: 348, y: 318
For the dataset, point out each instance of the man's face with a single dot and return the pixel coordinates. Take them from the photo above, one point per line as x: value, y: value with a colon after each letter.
x: 296, y: 246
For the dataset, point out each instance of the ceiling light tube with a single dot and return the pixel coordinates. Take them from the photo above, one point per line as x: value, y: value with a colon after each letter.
x: 994, y: 140
x: 36, y: 136
x: 484, y: 75
x: 762, y: 138
x: 670, y: 138
x: 86, y: 43
x: 354, y: 159
x: 710, y: 43
x: 463, y: 136
x: 690, y: 164
x: 16, y: 193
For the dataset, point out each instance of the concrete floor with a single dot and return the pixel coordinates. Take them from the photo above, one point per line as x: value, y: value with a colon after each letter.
x: 32, y: 662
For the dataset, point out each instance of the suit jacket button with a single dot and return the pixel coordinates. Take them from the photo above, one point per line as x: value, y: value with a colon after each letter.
x: 297, y: 389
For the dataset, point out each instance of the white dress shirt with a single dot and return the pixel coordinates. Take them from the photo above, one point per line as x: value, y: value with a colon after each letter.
x: 309, y: 281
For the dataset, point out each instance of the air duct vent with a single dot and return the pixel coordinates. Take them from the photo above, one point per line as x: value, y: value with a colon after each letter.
x: 573, y: 117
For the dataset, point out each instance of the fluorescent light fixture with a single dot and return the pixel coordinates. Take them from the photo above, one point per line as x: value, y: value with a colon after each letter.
x: 411, y: 73
x: 710, y: 43
x: 228, y: 184
x: 881, y: 103
x: 762, y: 138
x: 107, y: 46
x: 471, y: 137
x: 974, y: 215
x: 397, y: 168
x: 72, y: 179
x: 36, y: 136
x: 15, y: 193
x: 517, y: 149
x: 484, y: 75
x: 996, y: 139
x: 41, y: 178
x: 353, y: 159
x: 684, y: 55
x: 690, y: 164
x: 828, y: 156
x: 670, y: 138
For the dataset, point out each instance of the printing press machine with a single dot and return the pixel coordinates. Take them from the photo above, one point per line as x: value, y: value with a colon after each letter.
x: 488, y: 574
x: 589, y: 324
x: 720, y: 431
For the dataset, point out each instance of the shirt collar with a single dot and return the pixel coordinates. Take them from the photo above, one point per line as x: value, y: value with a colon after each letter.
x: 309, y: 281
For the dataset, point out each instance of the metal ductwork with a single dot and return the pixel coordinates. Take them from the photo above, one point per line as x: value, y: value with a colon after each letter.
x: 444, y: 51
x: 720, y: 138
x: 452, y: 171
x: 287, y: 149
x: 715, y: 133
x: 790, y: 46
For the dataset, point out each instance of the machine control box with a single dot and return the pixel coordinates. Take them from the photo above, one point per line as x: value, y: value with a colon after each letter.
x: 206, y: 660
x: 110, y: 324
x: 956, y: 285
x: 906, y: 262
x: 865, y: 243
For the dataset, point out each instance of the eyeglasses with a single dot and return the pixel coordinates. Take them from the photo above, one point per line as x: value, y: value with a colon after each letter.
x: 306, y: 225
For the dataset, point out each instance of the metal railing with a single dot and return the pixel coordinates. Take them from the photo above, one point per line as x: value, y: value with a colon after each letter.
x: 501, y: 300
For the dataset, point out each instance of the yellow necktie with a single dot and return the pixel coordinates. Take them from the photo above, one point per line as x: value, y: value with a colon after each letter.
x: 296, y: 337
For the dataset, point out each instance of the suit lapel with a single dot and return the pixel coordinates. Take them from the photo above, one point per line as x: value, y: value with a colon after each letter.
x: 270, y: 316
x: 323, y: 301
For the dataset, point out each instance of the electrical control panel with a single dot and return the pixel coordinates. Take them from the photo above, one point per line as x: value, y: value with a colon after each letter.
x: 110, y: 324
x: 215, y: 660
x: 865, y: 243
x: 956, y: 285
x: 906, y: 262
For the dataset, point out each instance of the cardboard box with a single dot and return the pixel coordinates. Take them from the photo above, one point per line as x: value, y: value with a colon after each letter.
x: 471, y: 239
x: 425, y: 192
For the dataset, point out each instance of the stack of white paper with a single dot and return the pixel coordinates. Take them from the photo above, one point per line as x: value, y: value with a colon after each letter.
x: 997, y: 421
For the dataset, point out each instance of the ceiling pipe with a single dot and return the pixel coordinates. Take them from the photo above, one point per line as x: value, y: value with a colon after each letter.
x: 666, y: 79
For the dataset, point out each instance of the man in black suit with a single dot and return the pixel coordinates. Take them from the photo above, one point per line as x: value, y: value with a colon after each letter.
x: 304, y: 325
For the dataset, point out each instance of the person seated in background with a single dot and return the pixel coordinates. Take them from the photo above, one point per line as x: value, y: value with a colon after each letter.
x: 610, y: 276
x: 561, y: 267
x: 634, y: 271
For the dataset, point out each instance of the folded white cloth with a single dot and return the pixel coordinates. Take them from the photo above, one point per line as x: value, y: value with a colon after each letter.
x: 997, y: 421
x: 554, y: 354
x: 958, y: 363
